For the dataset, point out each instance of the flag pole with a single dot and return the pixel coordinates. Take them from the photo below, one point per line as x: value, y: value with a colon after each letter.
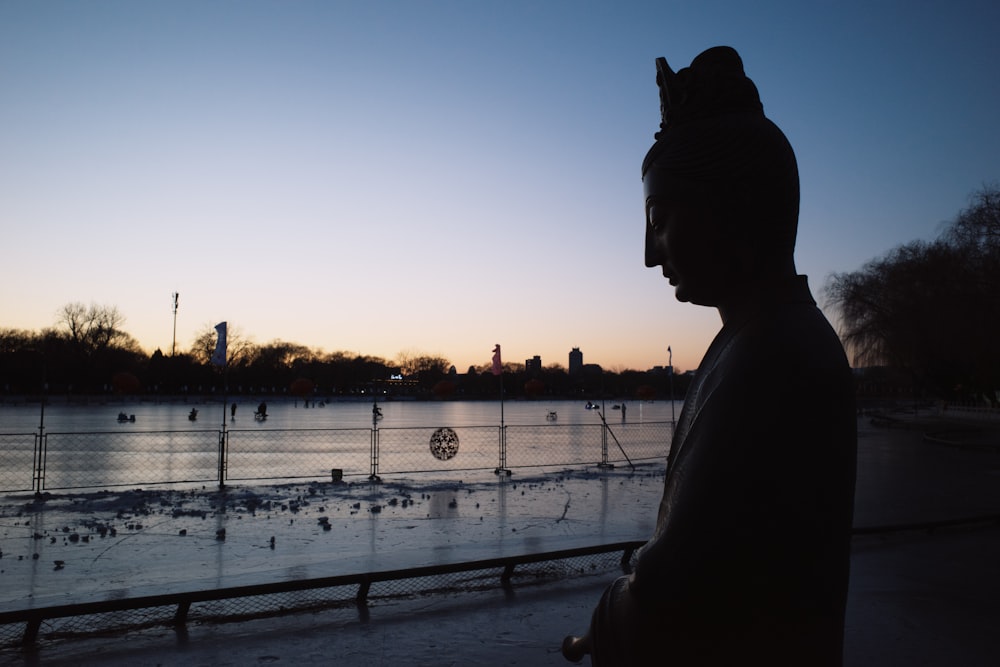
x: 225, y: 394
x: 501, y: 401
x: 497, y: 369
x: 670, y: 370
x: 220, y: 359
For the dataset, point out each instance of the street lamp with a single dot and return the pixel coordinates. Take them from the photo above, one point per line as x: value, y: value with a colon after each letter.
x: 173, y: 346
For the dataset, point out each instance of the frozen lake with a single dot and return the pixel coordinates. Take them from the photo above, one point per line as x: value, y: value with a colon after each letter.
x: 86, y: 446
x: 290, y: 414
x: 68, y: 547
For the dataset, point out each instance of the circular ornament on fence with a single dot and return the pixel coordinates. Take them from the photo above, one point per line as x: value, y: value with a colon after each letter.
x: 444, y: 443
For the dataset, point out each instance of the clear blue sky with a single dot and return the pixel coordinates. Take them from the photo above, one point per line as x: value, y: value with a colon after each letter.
x: 438, y: 177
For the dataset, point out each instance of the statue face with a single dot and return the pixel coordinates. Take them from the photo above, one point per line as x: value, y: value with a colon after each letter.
x: 685, y: 240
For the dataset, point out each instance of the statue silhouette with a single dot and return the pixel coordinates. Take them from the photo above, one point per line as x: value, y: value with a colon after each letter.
x: 749, y: 560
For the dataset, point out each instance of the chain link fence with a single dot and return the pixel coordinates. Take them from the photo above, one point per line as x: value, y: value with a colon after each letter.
x: 17, y: 461
x: 60, y: 461
x: 297, y: 454
x: 94, y: 460
x: 97, y: 460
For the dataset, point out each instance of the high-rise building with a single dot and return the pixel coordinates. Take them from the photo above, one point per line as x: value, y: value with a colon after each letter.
x: 575, y: 361
x: 533, y: 366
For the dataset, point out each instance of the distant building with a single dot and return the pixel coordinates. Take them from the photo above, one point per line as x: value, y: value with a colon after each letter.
x: 575, y: 361
x: 533, y: 366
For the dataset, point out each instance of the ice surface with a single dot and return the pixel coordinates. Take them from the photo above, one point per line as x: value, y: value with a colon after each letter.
x: 71, y: 547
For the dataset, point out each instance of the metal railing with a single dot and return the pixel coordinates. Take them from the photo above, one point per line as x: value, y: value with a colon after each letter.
x: 47, y: 461
x: 24, y: 627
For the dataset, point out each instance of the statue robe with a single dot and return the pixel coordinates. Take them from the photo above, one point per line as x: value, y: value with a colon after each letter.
x: 749, y: 561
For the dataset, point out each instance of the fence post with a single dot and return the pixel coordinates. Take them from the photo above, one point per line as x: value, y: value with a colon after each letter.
x: 41, y: 445
x: 502, y: 468
x: 223, y: 455
x: 41, y: 452
x: 604, y: 445
x: 373, y: 476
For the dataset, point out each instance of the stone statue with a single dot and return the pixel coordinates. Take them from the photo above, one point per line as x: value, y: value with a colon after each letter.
x: 749, y: 560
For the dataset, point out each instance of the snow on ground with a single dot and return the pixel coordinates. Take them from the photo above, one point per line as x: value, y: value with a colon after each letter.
x: 68, y: 547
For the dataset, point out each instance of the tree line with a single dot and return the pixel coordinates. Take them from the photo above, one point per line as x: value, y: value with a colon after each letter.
x: 927, y: 311
x: 930, y: 310
x: 88, y: 352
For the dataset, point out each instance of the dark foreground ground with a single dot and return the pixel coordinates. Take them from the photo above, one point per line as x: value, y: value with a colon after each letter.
x: 917, y: 597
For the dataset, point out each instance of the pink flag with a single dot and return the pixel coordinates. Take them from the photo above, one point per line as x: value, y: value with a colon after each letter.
x: 497, y: 365
x: 219, y: 356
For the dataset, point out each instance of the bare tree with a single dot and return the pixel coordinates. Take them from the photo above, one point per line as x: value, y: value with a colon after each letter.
x: 240, y: 351
x: 413, y: 363
x: 93, y: 329
x: 977, y: 228
x: 280, y: 355
x: 930, y: 307
x: 16, y: 340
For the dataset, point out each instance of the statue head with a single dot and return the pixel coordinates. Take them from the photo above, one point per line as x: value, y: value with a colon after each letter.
x: 721, y: 176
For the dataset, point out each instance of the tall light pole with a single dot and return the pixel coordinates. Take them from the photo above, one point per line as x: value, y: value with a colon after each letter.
x: 173, y: 346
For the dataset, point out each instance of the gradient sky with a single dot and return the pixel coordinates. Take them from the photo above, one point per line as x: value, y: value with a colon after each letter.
x: 438, y: 177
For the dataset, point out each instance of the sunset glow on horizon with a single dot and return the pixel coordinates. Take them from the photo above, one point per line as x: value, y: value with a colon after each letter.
x: 439, y: 177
